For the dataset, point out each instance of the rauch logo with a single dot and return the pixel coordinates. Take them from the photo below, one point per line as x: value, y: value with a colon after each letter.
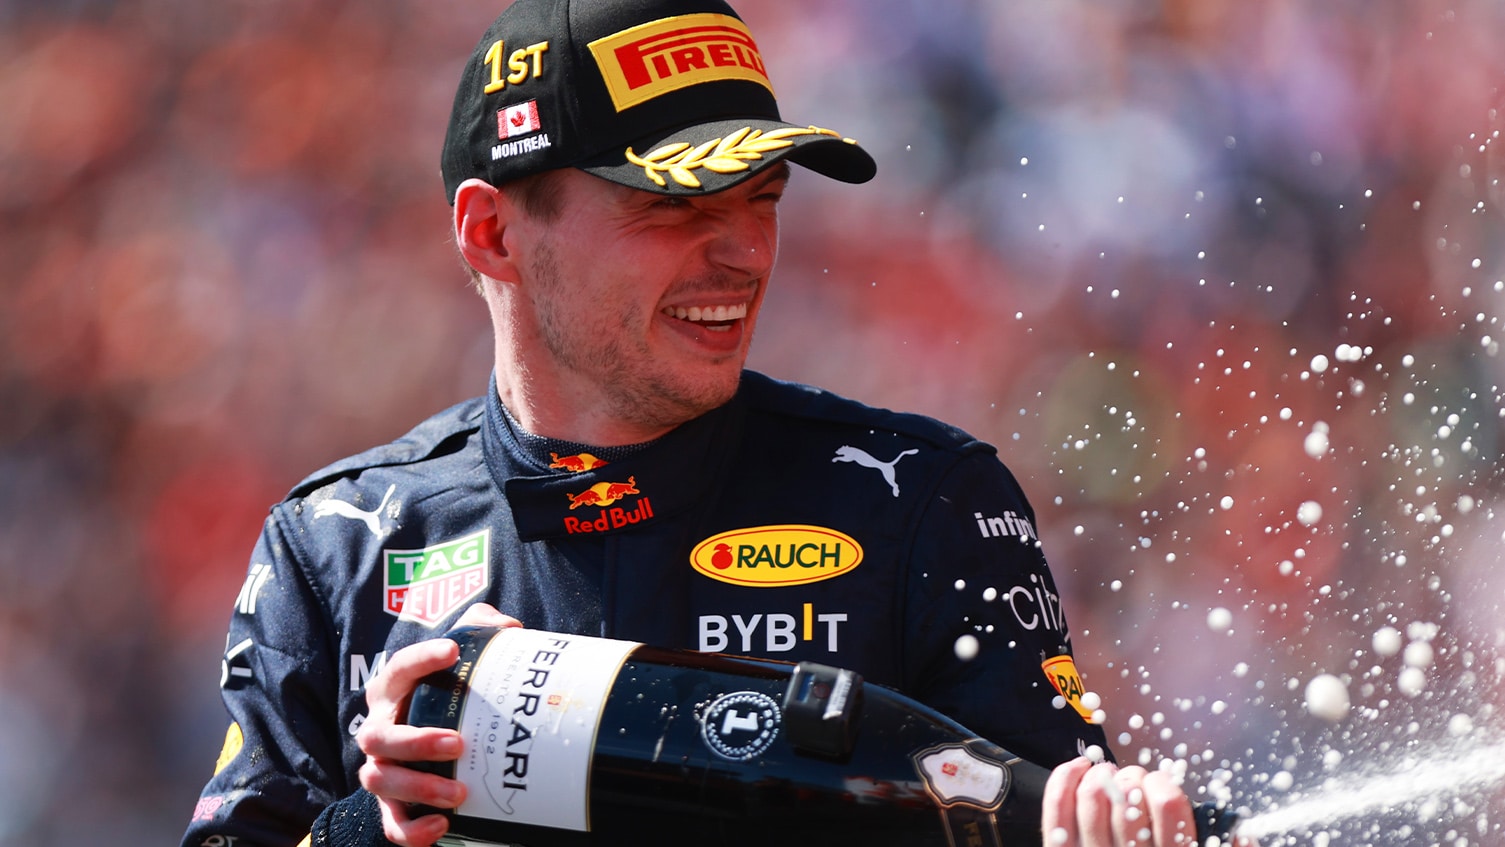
x: 771, y: 556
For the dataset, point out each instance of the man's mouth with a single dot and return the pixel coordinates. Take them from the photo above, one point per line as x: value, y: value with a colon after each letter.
x: 716, y: 318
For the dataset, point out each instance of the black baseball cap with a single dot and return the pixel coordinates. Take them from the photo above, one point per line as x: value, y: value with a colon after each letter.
x: 669, y: 96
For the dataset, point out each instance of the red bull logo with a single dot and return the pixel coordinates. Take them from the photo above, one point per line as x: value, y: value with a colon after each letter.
x: 578, y: 463
x: 604, y: 494
x: 653, y: 59
x: 770, y: 556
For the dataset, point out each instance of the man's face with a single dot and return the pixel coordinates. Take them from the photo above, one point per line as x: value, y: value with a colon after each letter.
x: 643, y: 305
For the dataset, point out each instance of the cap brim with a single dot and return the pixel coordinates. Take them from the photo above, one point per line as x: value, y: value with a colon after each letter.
x: 710, y: 157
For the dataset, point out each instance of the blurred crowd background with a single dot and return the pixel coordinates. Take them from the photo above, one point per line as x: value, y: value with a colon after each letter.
x: 1222, y: 280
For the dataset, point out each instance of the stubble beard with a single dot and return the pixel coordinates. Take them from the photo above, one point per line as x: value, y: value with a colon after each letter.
x: 626, y: 377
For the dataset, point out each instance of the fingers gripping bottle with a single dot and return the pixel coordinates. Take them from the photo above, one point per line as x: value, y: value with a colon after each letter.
x: 576, y: 740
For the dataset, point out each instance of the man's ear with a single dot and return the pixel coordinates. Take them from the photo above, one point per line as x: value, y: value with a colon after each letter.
x: 483, y: 213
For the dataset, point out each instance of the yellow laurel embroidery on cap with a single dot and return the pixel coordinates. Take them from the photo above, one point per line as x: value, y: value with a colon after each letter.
x: 719, y: 155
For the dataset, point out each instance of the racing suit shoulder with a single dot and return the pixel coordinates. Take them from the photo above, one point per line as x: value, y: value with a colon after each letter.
x: 312, y: 621
x: 444, y: 432
x: 781, y: 397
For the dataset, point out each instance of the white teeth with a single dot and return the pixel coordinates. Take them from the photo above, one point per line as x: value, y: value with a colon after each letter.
x: 708, y: 313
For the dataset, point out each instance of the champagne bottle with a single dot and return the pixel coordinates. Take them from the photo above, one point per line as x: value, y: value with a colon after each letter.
x: 576, y: 740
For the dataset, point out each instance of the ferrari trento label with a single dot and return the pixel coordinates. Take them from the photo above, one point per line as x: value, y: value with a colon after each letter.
x: 770, y: 556
x: 430, y: 584
x: 653, y: 59
x: 529, y: 724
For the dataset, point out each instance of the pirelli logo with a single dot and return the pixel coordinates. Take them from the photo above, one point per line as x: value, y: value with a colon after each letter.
x: 656, y: 58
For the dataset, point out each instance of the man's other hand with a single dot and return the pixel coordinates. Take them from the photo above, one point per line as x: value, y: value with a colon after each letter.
x: 388, y: 743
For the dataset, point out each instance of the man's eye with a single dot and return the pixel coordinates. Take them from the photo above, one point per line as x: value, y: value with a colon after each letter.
x: 671, y: 203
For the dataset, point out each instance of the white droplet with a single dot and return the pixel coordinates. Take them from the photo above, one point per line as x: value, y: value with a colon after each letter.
x: 1460, y: 725
x: 1387, y: 641
x: 1091, y: 701
x: 1282, y: 781
x: 1412, y: 681
x: 1316, y: 444
x: 1309, y: 513
x: 966, y: 647
x: 1059, y: 836
x: 1418, y: 655
x: 1226, y: 503
x: 1319, y: 363
x: 1219, y: 619
x: 961, y: 585
x: 1327, y: 698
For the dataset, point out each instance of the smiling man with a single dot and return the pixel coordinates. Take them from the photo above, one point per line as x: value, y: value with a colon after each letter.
x: 615, y: 168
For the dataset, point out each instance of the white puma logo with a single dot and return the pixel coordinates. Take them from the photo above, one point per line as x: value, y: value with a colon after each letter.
x: 864, y: 458
x: 371, y: 519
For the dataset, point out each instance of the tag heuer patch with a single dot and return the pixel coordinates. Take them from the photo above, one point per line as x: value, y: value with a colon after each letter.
x: 429, y: 585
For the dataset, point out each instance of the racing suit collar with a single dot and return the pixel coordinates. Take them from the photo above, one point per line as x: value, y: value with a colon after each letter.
x: 581, y: 494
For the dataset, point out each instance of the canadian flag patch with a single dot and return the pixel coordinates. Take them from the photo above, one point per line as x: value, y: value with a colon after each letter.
x: 519, y: 119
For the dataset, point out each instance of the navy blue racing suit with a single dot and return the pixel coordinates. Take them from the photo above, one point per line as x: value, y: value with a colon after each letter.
x: 790, y: 523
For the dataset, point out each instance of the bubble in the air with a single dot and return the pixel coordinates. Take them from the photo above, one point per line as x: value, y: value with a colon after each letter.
x: 966, y: 647
x: 1092, y: 701
x: 1327, y: 697
x: 1309, y: 513
x: 1412, y: 681
x: 1460, y: 725
x: 1418, y: 654
x: 1387, y: 641
x: 1282, y: 781
x: 1219, y: 619
x: 1226, y: 503
x: 1319, y: 363
x: 1316, y: 442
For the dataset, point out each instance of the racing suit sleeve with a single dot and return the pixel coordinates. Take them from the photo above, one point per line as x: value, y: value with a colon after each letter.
x: 281, y: 763
x: 354, y: 821
x: 986, y: 639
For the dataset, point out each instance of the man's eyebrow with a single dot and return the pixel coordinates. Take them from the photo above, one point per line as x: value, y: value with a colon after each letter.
x: 778, y: 172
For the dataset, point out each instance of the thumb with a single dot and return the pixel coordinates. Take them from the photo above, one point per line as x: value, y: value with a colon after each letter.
x: 485, y: 614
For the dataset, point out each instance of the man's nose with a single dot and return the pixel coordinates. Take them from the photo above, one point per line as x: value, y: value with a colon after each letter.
x: 746, y: 242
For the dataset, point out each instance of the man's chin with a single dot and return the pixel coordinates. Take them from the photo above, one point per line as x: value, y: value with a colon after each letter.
x: 672, y: 405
